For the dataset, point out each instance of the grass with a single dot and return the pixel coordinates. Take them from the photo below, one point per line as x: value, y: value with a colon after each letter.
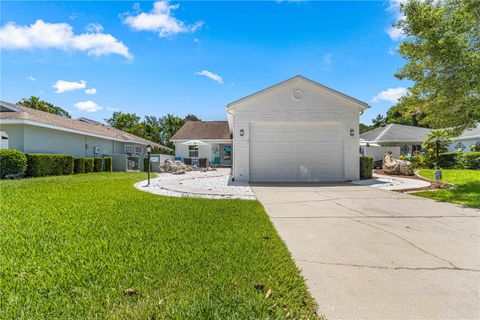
x: 466, y: 191
x: 71, y: 245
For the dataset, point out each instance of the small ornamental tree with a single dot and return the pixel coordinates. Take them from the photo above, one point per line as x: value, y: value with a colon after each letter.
x: 437, y: 142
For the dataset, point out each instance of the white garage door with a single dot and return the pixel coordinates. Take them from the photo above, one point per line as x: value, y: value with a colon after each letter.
x: 286, y: 151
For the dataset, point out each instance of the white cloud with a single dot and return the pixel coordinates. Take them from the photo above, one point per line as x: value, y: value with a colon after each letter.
x: 391, y: 51
x: 31, y: 78
x: 395, y: 33
x: 211, y: 75
x: 160, y: 20
x: 113, y: 109
x: 196, y: 40
x: 94, y: 27
x: 65, y: 86
x: 390, y: 95
x: 394, y: 7
x: 43, y: 35
x: 327, y: 58
x: 91, y: 91
x: 88, y: 106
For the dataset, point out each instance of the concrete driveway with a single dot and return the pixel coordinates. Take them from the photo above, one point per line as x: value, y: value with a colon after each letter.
x: 374, y: 254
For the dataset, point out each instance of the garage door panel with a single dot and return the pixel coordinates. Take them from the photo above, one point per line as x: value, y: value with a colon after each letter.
x: 310, y: 151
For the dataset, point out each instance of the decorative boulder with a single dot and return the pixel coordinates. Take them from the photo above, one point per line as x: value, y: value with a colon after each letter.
x: 176, y: 167
x: 396, y: 167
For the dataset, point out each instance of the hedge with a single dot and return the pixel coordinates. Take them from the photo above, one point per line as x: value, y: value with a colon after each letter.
x: 12, y: 162
x: 108, y: 164
x: 79, y: 166
x: 97, y: 164
x: 88, y: 165
x: 40, y: 165
x: 366, y: 167
x: 472, y: 160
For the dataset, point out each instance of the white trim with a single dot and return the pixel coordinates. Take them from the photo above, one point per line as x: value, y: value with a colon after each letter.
x: 50, y: 126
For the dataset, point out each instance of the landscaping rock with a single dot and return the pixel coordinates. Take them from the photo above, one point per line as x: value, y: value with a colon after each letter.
x: 393, y: 166
x: 176, y: 167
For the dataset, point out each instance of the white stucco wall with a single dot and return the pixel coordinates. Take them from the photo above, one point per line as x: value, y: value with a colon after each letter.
x: 15, y: 135
x: 277, y: 105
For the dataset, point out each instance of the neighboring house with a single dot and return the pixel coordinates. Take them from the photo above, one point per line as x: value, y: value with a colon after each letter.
x: 35, y: 131
x: 466, y: 140
x: 297, y: 130
x: 215, y: 135
x: 392, y: 137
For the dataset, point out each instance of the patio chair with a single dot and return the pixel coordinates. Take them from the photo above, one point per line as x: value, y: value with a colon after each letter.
x: 187, y: 161
x: 202, y: 162
x: 216, y: 162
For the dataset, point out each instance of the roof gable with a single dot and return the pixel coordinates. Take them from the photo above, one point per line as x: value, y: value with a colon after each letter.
x: 206, y: 130
x: 362, y: 105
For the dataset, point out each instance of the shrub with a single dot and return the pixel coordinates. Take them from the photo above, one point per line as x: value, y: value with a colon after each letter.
x: 97, y: 164
x: 88, y: 165
x: 108, y: 164
x: 40, y: 165
x: 12, y: 162
x: 79, y: 165
x: 449, y: 160
x: 472, y: 160
x: 366, y: 167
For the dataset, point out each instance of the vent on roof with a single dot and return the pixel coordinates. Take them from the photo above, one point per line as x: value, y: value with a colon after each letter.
x: 89, y: 121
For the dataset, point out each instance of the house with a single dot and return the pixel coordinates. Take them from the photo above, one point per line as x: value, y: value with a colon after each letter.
x: 398, y: 138
x: 215, y: 135
x: 297, y: 130
x: 467, y: 139
x: 35, y: 131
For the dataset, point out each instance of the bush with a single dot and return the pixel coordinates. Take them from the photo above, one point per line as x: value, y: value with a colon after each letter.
x: 79, y: 165
x: 449, y: 160
x: 88, y: 165
x: 472, y: 160
x: 97, y: 164
x: 12, y: 162
x: 40, y: 165
x: 366, y: 167
x: 108, y: 164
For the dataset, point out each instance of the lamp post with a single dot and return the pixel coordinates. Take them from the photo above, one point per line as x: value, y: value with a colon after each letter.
x: 149, y: 149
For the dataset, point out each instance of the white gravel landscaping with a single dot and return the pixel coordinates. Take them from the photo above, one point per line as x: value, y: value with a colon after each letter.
x: 196, y: 184
x: 392, y: 182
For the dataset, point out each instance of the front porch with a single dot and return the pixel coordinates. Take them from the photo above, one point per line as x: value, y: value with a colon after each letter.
x: 219, y: 153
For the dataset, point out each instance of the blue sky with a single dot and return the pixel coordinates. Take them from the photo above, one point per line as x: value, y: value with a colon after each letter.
x: 194, y: 57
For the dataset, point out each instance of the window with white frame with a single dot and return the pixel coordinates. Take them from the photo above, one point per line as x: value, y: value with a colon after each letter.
x: 193, y: 151
x: 128, y: 149
x: 138, y: 150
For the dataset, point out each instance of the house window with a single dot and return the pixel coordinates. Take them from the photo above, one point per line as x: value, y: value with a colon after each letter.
x: 460, y: 147
x: 128, y: 149
x: 193, y: 151
x: 404, y: 150
x: 138, y: 150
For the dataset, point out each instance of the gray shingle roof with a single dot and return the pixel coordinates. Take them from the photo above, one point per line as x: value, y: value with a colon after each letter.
x: 396, y: 133
x: 472, y: 133
x: 210, y: 130
x: 99, y: 129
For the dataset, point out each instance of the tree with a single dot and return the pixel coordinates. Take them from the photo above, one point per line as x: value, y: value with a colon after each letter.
x: 37, y: 104
x: 442, y: 49
x: 128, y: 122
x: 437, y: 142
x: 364, y: 128
x: 192, y: 117
x: 378, y: 121
x: 170, y: 124
x: 407, y: 114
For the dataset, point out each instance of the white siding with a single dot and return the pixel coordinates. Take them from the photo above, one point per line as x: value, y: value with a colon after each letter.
x: 277, y: 105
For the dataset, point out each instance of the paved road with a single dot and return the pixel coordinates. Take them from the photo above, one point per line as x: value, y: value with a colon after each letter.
x: 376, y: 254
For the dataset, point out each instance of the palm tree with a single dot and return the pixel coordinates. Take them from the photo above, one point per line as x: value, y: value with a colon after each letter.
x: 37, y: 104
x: 437, y: 142
x: 378, y: 121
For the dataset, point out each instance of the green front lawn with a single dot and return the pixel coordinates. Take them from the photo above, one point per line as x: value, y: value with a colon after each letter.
x: 71, y: 245
x: 466, y: 191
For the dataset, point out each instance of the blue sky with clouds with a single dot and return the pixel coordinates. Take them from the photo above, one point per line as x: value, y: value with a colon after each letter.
x: 153, y: 58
